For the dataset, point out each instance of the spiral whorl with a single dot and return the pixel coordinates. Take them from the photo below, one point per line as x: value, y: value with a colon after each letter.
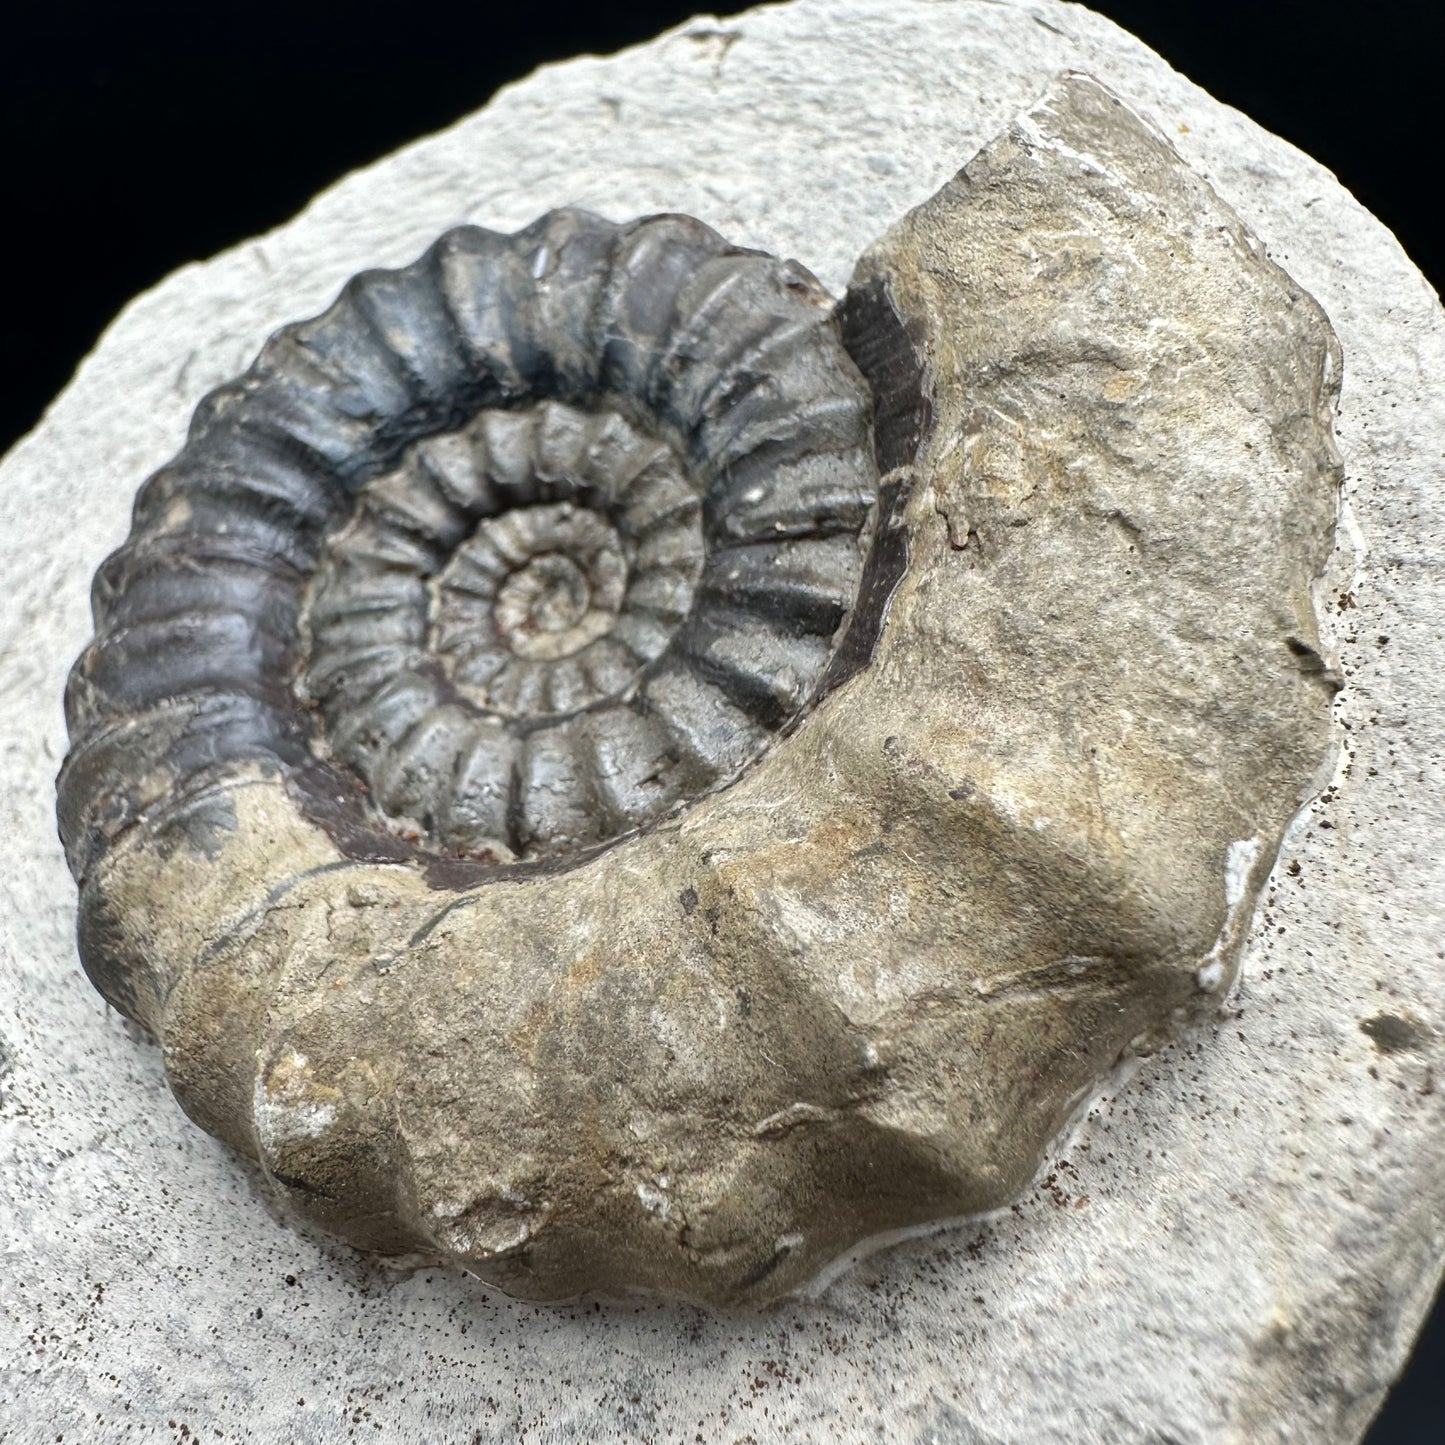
x: 509, y: 553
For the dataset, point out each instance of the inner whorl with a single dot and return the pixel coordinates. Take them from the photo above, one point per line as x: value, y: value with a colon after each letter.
x: 506, y: 555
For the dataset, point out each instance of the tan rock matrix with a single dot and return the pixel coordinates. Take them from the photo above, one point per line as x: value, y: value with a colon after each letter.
x: 1017, y: 832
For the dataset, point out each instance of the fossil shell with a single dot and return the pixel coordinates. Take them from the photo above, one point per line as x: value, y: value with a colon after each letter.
x: 538, y: 539
x: 585, y: 787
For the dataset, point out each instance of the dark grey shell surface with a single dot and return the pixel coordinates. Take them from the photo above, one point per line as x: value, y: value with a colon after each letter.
x: 507, y: 555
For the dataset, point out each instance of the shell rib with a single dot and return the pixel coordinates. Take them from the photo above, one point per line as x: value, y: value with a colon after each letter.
x: 536, y: 539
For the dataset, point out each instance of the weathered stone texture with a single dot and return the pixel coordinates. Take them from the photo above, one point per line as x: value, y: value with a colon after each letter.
x: 1236, y: 1244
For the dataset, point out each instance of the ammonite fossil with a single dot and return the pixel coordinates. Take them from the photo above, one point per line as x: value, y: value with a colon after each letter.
x: 536, y: 539
x: 605, y: 767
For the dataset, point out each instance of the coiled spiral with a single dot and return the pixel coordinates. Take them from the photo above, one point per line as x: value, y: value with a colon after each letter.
x: 508, y: 554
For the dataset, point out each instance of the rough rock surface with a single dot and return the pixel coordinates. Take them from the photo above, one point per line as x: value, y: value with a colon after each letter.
x: 1252, y: 1225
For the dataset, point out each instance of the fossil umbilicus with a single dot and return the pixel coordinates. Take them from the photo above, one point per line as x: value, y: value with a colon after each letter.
x: 604, y: 768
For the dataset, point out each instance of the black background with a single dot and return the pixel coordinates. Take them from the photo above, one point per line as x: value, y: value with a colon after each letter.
x: 136, y: 135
